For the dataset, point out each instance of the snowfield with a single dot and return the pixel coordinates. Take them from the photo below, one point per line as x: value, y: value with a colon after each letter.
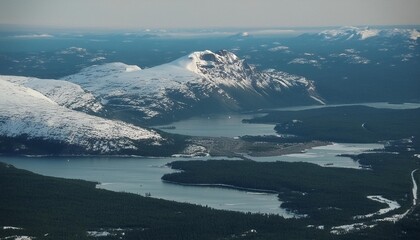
x: 26, y: 112
x: 63, y: 93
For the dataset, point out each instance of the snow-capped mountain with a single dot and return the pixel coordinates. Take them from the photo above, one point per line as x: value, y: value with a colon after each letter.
x: 359, y: 33
x: 59, y: 114
x: 64, y: 93
x: 200, y: 82
x: 30, y: 117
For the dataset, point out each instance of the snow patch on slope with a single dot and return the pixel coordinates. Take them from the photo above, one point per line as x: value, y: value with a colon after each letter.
x: 132, y: 68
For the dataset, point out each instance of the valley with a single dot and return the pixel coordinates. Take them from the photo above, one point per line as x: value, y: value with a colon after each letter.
x: 150, y: 136
x: 300, y: 188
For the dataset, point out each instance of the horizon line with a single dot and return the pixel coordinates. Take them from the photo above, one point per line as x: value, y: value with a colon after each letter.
x: 22, y: 27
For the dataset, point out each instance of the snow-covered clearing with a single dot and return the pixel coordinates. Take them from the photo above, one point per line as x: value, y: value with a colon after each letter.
x: 414, y: 190
x: 392, y: 205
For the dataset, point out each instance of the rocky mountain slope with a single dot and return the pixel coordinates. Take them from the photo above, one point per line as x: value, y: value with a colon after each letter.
x: 202, y: 82
x: 92, y: 112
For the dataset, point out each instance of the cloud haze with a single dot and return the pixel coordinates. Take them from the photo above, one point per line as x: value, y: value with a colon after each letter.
x: 204, y: 14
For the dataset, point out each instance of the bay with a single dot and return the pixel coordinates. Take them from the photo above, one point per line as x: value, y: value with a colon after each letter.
x: 143, y: 176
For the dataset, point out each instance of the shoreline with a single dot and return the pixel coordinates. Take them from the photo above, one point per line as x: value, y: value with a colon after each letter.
x: 216, y: 146
x: 294, y: 148
x: 220, y: 185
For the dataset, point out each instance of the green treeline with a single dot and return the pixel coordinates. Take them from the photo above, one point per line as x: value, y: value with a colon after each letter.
x: 331, y: 196
x: 346, y: 124
x: 66, y: 209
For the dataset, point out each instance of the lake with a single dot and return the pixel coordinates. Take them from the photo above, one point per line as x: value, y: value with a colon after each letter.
x: 222, y: 125
x: 230, y: 125
x: 326, y: 156
x: 373, y: 104
x: 143, y: 175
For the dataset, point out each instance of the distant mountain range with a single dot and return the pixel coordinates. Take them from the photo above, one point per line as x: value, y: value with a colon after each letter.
x: 104, y: 108
x: 347, y: 64
x: 93, y: 111
x: 360, y: 64
x: 363, y: 33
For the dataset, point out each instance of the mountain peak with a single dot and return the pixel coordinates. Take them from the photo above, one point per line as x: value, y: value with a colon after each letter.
x: 219, y: 56
x: 197, y: 61
x: 204, y: 78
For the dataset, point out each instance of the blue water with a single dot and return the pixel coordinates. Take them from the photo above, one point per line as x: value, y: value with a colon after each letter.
x: 143, y: 175
x: 326, y: 156
x: 230, y: 125
x: 226, y: 125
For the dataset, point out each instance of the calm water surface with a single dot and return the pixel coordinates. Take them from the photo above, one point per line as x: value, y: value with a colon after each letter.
x: 143, y: 175
x: 326, y: 156
x: 230, y: 125
x: 374, y: 105
x: 219, y: 126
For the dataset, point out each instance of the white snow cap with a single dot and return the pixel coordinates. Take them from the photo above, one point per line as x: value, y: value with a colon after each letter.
x: 205, y: 58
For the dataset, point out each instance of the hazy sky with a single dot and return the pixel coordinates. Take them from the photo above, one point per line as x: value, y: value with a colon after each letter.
x: 209, y: 13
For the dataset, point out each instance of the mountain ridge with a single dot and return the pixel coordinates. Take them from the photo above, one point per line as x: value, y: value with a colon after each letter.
x: 363, y: 33
x: 28, y: 115
x: 219, y: 80
x: 101, y: 109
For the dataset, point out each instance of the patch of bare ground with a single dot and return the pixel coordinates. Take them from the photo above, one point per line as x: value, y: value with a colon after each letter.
x: 236, y: 147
